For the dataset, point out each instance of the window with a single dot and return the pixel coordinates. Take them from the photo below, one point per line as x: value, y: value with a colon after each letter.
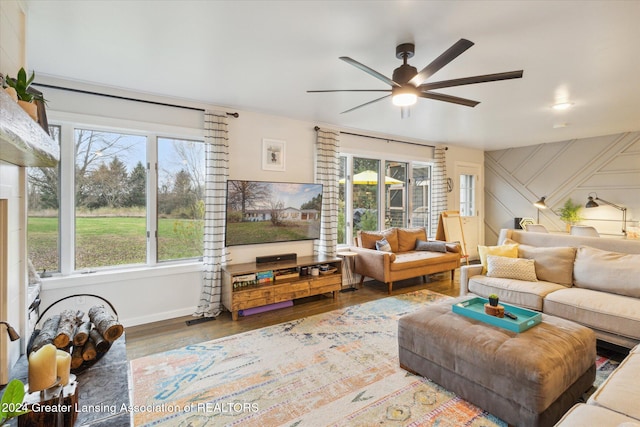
x: 180, y: 198
x: 110, y: 199
x: 43, y: 190
x: 366, y: 174
x: 421, y: 196
x: 467, y: 195
x: 103, y: 209
x: 395, y: 189
x: 406, y: 201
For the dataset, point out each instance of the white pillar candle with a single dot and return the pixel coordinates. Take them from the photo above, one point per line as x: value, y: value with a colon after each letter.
x: 42, y: 368
x: 63, y: 362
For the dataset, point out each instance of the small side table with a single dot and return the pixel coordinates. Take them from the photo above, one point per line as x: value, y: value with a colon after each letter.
x: 348, y: 267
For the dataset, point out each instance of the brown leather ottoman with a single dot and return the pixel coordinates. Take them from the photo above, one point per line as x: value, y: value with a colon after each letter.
x: 526, y: 379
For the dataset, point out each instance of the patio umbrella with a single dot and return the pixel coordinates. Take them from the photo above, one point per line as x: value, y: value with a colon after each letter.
x: 370, y: 177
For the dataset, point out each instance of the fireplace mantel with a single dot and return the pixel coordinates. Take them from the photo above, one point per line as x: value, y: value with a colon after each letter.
x: 22, y: 141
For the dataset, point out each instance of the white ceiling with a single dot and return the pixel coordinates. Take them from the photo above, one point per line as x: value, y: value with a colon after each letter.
x: 263, y: 56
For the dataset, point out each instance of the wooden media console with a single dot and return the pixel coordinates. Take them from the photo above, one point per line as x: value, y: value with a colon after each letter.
x: 252, y: 285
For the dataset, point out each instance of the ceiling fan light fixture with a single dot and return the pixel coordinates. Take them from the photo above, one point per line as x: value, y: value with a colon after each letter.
x: 404, y: 96
x: 404, y: 99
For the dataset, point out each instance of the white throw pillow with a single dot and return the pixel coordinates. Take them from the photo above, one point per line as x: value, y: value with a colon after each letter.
x: 511, y: 268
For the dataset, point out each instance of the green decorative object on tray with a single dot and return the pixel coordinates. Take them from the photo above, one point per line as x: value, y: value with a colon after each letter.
x: 474, y: 308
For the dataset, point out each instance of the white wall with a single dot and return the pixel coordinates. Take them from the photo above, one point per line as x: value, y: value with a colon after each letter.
x: 155, y: 293
x: 12, y: 304
x: 12, y: 188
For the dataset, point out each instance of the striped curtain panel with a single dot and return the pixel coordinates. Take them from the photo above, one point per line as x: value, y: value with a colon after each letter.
x: 217, y: 171
x: 439, y: 187
x: 327, y: 173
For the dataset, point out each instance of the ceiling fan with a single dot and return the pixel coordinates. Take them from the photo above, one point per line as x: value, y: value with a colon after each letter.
x: 408, y: 84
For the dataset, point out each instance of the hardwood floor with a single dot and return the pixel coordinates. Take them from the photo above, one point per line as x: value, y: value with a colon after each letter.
x: 174, y: 333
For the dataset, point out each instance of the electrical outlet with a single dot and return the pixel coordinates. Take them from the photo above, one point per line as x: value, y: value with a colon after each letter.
x: 80, y: 300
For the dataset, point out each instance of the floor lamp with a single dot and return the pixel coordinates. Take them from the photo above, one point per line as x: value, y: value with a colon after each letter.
x: 591, y: 203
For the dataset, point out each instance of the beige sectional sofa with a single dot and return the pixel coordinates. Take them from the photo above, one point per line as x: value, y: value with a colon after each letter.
x: 593, y: 281
x: 405, y: 257
x: 615, y: 402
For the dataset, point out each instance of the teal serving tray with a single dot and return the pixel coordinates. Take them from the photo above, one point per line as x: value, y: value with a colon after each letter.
x: 474, y: 308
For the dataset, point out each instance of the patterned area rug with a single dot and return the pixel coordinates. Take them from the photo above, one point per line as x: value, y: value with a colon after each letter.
x: 334, y: 369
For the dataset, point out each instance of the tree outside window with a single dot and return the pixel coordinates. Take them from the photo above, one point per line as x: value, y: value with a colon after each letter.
x: 110, y: 214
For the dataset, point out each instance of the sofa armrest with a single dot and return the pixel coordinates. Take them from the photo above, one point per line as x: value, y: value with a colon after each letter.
x: 373, y: 263
x: 467, y: 271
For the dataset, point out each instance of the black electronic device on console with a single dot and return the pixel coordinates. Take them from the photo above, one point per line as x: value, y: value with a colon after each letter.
x: 276, y: 258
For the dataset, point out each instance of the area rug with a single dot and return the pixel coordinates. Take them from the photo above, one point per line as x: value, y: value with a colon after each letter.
x: 338, y: 368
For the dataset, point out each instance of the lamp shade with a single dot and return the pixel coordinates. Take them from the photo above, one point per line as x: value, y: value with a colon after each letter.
x: 13, y: 335
x: 591, y: 203
x: 540, y: 204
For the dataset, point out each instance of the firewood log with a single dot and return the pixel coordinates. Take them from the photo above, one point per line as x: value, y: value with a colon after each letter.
x: 102, y: 345
x: 67, y: 327
x: 89, y: 350
x: 81, y: 335
x: 105, y: 323
x: 76, y: 357
x: 47, y: 333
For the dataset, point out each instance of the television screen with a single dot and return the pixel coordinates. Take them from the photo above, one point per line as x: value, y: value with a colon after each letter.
x: 267, y: 212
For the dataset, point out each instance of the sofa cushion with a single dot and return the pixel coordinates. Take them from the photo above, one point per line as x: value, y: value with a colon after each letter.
x: 417, y: 259
x: 620, y: 391
x: 553, y: 264
x: 511, y: 268
x: 603, y: 311
x: 368, y: 239
x: 383, y: 245
x: 606, y: 271
x: 519, y: 292
x: 433, y: 246
x: 503, y: 250
x: 407, y: 238
x: 581, y: 415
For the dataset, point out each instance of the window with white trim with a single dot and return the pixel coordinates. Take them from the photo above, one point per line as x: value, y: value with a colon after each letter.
x: 123, y: 198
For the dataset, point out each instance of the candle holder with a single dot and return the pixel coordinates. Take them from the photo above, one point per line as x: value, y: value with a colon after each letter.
x: 46, y: 391
x: 62, y: 401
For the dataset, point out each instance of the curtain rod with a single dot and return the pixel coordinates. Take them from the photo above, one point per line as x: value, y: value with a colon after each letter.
x: 87, y: 92
x: 317, y: 128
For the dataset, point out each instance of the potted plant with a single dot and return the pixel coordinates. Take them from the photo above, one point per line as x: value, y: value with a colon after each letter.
x: 11, y: 402
x: 26, y: 98
x: 493, y: 300
x: 570, y: 213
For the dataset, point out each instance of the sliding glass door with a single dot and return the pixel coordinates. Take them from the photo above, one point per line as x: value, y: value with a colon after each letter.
x: 376, y: 194
x: 366, y: 174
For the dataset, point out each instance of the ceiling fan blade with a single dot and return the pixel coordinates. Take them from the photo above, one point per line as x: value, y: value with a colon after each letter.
x: 366, y: 103
x: 471, y: 80
x: 349, y: 90
x: 449, y: 98
x: 369, y: 71
x: 449, y: 55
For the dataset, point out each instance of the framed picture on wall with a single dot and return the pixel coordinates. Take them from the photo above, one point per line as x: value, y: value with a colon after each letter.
x: 273, y: 155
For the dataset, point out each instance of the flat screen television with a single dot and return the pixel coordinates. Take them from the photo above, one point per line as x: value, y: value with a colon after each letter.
x: 268, y: 212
